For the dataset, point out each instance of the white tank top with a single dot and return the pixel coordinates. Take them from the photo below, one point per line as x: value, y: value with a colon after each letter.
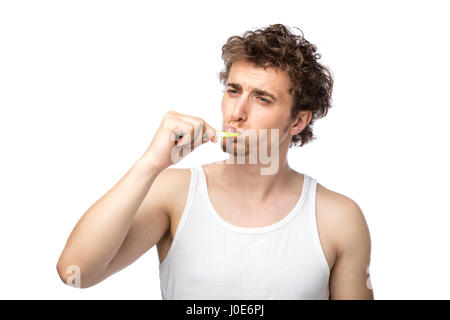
x: 210, y: 258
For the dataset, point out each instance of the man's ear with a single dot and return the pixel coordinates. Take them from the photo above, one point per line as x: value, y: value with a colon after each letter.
x: 301, y: 121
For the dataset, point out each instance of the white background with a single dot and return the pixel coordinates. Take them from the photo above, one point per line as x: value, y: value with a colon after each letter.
x: 84, y: 85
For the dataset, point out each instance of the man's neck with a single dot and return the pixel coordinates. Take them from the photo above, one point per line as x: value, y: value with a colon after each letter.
x: 248, y: 180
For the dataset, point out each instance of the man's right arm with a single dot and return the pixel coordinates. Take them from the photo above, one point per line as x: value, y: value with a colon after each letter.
x: 134, y: 214
x: 129, y: 219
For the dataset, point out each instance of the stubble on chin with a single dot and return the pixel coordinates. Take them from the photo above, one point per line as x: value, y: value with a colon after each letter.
x: 236, y: 149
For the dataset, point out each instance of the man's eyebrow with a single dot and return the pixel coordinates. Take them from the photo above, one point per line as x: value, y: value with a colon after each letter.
x: 260, y: 92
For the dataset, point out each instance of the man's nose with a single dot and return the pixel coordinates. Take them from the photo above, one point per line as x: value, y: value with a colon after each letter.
x: 240, y: 109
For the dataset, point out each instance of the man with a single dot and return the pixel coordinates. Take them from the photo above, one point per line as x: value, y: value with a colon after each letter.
x: 226, y: 230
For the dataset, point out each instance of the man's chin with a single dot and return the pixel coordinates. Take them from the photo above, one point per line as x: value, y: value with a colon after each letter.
x: 235, y: 148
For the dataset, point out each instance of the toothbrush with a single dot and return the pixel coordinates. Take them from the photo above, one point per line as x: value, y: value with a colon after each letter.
x: 225, y: 134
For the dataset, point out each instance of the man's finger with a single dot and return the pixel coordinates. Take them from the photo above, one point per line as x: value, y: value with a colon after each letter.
x: 209, y: 132
x: 205, y: 131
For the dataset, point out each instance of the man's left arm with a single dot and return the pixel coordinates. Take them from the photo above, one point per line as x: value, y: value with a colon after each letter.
x: 349, y: 277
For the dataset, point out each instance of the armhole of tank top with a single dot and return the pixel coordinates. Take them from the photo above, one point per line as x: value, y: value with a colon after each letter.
x: 184, y: 216
x: 315, y: 228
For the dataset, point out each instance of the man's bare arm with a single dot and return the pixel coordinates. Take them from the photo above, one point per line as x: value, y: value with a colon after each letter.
x: 349, y: 278
x: 152, y: 220
x: 101, y: 231
x: 133, y: 215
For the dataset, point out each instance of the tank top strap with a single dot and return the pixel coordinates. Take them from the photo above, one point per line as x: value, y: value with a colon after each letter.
x: 310, y: 190
x: 310, y: 197
x: 186, y: 214
x: 196, y: 179
x: 311, y: 213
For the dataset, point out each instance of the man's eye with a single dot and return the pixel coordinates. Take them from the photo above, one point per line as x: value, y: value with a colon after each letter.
x: 264, y: 100
x: 261, y: 98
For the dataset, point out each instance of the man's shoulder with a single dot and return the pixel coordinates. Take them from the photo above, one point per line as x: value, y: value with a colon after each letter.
x: 176, y: 179
x: 335, y: 202
x: 341, y: 217
x: 173, y: 187
x: 172, y: 180
x: 174, y: 174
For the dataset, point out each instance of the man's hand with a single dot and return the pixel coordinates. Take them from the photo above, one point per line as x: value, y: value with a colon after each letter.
x: 177, y: 132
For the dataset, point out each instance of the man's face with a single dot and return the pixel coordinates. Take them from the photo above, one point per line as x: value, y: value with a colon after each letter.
x: 255, y: 99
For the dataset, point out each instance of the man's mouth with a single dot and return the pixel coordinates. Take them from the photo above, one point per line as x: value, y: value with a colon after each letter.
x: 231, y: 129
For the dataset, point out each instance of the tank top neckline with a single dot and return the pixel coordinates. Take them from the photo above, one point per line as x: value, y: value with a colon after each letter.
x: 290, y: 216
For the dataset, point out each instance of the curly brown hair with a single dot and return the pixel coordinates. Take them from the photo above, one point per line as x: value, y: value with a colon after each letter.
x: 276, y: 46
